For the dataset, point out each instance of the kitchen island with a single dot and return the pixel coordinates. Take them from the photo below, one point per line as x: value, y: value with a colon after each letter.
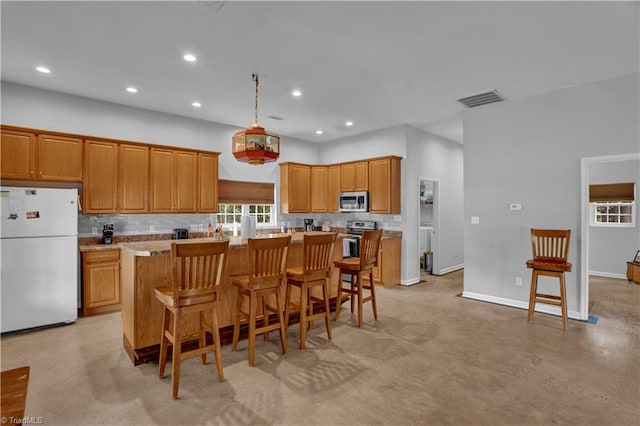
x: 146, y: 265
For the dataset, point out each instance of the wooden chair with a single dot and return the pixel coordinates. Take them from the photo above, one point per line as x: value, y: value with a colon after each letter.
x: 267, y: 259
x: 357, y: 268
x: 314, y: 272
x: 550, y: 253
x: 197, y: 271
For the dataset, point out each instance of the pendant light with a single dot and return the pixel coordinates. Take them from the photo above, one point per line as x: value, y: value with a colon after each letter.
x: 255, y: 145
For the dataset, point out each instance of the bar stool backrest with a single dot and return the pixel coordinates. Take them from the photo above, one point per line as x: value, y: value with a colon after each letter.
x: 318, y: 256
x: 197, y: 271
x: 550, y: 245
x: 369, y: 245
x: 267, y: 261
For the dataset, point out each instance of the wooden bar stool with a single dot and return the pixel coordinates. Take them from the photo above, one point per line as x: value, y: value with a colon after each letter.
x: 267, y: 259
x: 197, y: 271
x: 550, y: 249
x: 357, y: 268
x: 314, y: 272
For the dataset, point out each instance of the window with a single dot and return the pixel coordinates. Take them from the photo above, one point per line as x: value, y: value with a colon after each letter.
x: 231, y: 213
x: 613, y: 213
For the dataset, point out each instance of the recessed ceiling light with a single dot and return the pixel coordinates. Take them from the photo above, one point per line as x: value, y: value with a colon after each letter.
x: 189, y: 57
x: 43, y: 70
x: 296, y: 93
x: 132, y: 90
x: 319, y: 132
x: 196, y: 104
x: 349, y: 123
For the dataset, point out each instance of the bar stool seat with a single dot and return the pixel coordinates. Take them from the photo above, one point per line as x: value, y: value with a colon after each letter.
x: 357, y: 268
x: 315, y: 272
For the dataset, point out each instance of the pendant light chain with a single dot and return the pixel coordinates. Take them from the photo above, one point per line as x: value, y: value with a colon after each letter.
x: 255, y: 78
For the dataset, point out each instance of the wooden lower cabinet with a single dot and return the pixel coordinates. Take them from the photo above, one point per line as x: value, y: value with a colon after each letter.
x: 633, y: 272
x: 100, y: 282
x: 387, y: 272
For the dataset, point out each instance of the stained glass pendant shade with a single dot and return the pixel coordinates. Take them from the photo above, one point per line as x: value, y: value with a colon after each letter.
x: 255, y: 145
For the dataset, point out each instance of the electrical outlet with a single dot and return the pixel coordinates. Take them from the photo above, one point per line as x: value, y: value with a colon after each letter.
x: 194, y: 227
x: 94, y: 230
x: 519, y: 281
x: 475, y: 220
x: 200, y: 227
x: 152, y: 228
x: 515, y: 207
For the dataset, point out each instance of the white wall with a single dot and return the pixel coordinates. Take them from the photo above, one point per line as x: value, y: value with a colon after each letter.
x: 610, y: 248
x: 42, y: 109
x: 528, y: 151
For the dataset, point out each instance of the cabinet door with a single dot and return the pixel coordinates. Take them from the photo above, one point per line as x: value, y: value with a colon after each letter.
x: 186, y: 181
x: 133, y: 179
x: 161, y: 180
x: 333, y: 188
x: 17, y: 155
x: 101, y: 282
x: 100, y: 190
x: 384, y: 185
x: 361, y: 176
x: 347, y: 177
x: 59, y: 158
x: 295, y: 185
x: 208, y: 183
x: 318, y: 189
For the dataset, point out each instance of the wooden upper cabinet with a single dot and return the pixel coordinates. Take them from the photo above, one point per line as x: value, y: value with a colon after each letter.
x: 186, y: 181
x: 333, y: 188
x: 174, y: 180
x: 18, y: 155
x: 384, y: 185
x: 162, y: 171
x: 208, y: 183
x: 295, y: 188
x: 59, y: 158
x: 133, y: 179
x: 354, y: 176
x: 100, y: 177
x: 318, y: 189
x: 25, y: 155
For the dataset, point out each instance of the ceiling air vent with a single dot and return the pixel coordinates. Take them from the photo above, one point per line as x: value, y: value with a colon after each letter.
x: 482, y: 99
x: 275, y: 117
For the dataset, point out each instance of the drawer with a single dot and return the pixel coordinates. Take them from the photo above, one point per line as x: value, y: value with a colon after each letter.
x: 101, y: 256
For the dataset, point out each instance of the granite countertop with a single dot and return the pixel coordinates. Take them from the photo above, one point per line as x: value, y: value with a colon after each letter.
x: 160, y: 244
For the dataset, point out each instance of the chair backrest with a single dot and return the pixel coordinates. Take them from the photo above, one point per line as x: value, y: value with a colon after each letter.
x: 318, y: 256
x: 550, y: 245
x: 197, y: 271
x: 369, y: 245
x: 267, y: 261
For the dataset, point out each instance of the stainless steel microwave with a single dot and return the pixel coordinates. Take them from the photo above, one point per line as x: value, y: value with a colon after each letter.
x: 354, y: 201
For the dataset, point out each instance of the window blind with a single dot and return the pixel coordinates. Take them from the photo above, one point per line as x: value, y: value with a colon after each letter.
x: 237, y: 192
x: 624, y: 192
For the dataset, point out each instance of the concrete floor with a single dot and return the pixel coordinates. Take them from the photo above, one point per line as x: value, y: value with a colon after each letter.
x: 432, y: 358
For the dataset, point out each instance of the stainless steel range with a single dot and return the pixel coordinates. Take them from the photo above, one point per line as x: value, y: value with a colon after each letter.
x: 355, y: 229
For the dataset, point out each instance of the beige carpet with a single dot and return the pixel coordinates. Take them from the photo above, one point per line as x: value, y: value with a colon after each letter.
x: 432, y: 358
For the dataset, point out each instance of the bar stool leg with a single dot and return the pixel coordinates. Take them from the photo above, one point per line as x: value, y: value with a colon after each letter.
x: 216, y: 341
x: 532, y: 294
x: 177, y: 346
x: 253, y: 306
x: 162, y: 362
x: 339, y: 298
x: 265, y: 317
x: 287, y: 305
x: 325, y: 297
x: 283, y: 329
x: 236, y: 322
x: 563, y: 302
x: 304, y: 302
x: 373, y: 296
x: 360, y: 302
x: 202, y: 341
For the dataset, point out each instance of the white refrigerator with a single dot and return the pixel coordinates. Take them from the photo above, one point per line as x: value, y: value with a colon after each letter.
x: 39, y: 245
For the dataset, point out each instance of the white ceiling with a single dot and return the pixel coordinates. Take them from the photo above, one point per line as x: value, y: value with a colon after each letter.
x: 379, y: 64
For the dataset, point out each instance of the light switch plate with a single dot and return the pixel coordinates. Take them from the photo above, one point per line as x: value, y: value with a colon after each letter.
x: 515, y: 207
x: 475, y: 220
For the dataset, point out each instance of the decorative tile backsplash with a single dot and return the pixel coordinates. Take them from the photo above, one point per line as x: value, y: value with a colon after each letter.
x: 123, y: 224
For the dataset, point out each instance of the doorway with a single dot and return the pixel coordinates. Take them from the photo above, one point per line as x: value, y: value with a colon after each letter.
x: 428, y: 225
x: 587, y: 164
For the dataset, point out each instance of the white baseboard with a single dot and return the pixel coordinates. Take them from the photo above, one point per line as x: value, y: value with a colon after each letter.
x: 608, y: 275
x: 409, y: 282
x: 553, y: 310
x: 451, y: 269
